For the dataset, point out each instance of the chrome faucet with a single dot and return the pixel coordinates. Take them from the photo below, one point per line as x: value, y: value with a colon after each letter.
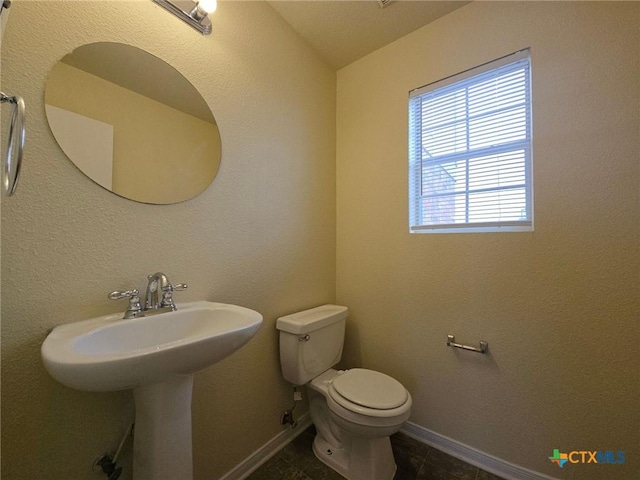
x: 158, y: 282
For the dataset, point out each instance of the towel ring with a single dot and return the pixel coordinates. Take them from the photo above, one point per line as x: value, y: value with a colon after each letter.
x: 12, y: 160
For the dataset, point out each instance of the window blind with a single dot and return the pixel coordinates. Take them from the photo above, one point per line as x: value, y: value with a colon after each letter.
x: 470, y: 150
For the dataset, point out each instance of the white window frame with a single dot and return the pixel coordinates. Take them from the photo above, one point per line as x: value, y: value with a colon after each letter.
x: 418, y: 160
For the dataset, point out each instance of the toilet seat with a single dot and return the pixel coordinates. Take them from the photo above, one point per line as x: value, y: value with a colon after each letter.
x: 369, y: 393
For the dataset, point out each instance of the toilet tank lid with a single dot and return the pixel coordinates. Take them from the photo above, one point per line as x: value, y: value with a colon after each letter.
x: 313, y: 319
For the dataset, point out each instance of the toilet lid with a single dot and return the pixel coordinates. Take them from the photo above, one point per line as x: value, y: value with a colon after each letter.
x: 370, y: 389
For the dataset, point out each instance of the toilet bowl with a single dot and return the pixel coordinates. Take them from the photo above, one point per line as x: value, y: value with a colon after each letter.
x: 358, y: 445
x: 354, y: 411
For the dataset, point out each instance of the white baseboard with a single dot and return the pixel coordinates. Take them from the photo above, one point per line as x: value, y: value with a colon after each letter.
x: 489, y: 463
x: 268, y: 450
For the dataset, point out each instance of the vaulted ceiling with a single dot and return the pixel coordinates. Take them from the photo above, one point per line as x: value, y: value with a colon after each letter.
x: 343, y: 31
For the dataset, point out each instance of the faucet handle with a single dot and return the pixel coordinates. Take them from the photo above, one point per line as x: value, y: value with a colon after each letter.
x: 134, y: 309
x: 117, y: 294
x: 167, y: 294
x: 176, y: 288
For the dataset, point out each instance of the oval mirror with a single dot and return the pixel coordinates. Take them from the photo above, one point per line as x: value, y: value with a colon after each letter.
x: 132, y: 123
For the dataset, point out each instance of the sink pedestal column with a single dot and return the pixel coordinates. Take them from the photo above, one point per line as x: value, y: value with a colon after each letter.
x: 162, y: 445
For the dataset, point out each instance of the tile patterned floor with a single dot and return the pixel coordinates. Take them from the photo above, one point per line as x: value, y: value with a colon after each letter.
x: 415, y: 460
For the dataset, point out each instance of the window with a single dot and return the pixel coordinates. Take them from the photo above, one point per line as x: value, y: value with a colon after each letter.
x: 470, y: 150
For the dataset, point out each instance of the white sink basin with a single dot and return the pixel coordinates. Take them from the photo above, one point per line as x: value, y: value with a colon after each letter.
x: 108, y: 353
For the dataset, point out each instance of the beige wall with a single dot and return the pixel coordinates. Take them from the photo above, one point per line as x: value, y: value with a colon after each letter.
x: 262, y: 235
x: 558, y: 306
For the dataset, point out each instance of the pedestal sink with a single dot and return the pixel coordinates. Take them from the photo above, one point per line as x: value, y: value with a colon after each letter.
x: 156, y: 356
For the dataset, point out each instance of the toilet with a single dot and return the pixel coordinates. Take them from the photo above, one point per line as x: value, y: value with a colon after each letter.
x: 354, y: 411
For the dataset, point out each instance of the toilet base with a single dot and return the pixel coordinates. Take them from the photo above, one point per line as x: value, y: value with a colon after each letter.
x: 365, y: 459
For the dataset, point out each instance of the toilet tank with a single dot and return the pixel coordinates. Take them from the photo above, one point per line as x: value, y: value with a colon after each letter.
x: 311, y: 342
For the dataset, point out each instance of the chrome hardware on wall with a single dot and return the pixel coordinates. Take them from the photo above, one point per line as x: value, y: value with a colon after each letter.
x: 194, y: 13
x: 12, y: 160
x: 451, y: 343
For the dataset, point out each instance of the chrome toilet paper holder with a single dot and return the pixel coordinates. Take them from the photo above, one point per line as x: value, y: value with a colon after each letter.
x: 451, y: 342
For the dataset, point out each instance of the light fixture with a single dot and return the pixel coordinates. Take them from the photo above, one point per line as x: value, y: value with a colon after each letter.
x: 195, y: 13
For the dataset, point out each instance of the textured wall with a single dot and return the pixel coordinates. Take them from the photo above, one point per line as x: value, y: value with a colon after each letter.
x: 262, y: 235
x: 558, y: 306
